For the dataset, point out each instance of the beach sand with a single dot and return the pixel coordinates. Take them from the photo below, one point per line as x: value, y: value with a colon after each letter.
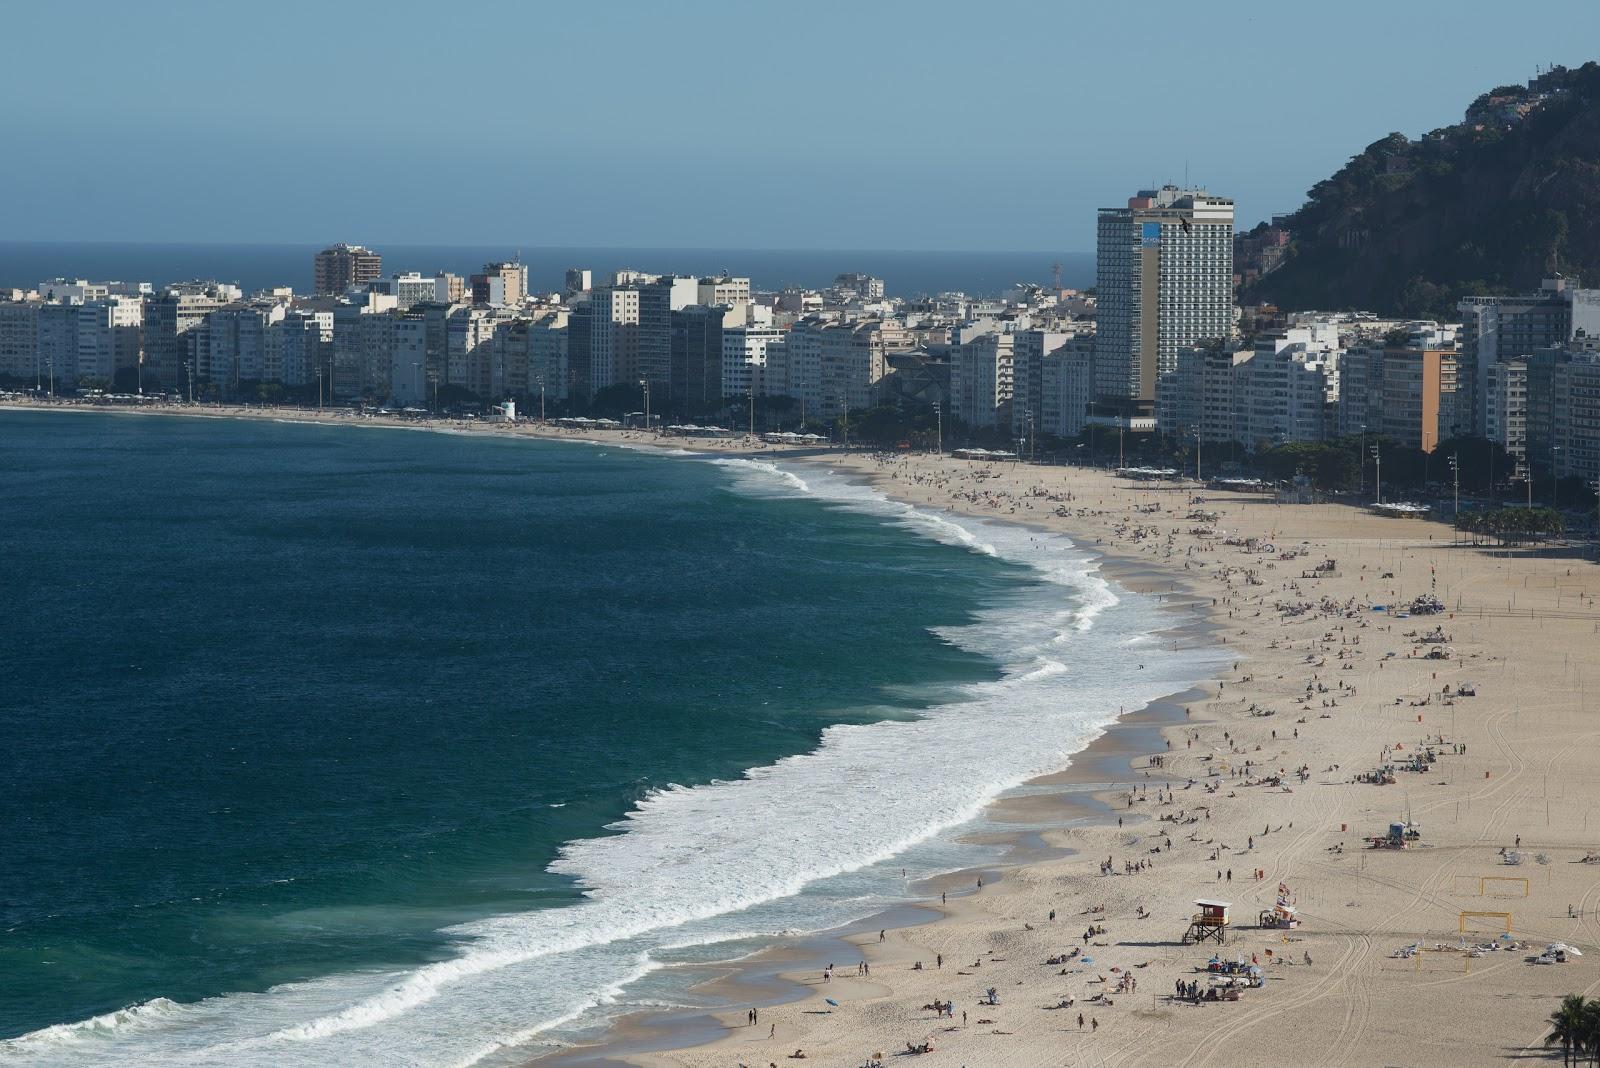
x: 1521, y: 628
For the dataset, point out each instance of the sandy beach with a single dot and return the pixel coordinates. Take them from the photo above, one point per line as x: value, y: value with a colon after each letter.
x: 1254, y: 796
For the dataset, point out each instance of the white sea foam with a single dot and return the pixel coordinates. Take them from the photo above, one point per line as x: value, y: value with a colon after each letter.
x: 702, y: 865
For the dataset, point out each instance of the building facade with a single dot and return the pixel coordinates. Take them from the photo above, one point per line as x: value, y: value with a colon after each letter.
x: 1164, y: 280
x: 342, y: 267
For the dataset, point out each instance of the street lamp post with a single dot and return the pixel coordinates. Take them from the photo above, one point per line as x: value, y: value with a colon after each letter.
x: 751, y: 394
x: 1196, y: 434
x: 644, y: 384
x: 1455, y: 472
x: 1361, y: 465
x: 1377, y: 466
x: 1555, y: 477
x: 938, y: 422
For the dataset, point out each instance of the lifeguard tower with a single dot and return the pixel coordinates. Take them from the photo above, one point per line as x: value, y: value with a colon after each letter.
x: 1211, y: 922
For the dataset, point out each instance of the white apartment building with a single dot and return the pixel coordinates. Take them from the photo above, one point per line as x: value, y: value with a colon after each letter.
x: 1067, y: 388
x: 296, y: 346
x: 547, y: 356
x: 408, y: 362
x: 72, y: 290
x: 470, y: 360
x: 362, y: 336
x: 744, y: 359
x: 613, y: 336
x: 1504, y: 395
x: 1029, y: 349
x: 853, y: 364
x: 1288, y: 389
x: 724, y: 290
x: 408, y: 289
x: 981, y: 376
x: 109, y: 332
x: 1164, y: 279
x: 238, y: 342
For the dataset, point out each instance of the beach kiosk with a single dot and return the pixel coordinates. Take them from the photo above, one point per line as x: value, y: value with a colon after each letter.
x: 1281, y: 916
x: 1211, y: 922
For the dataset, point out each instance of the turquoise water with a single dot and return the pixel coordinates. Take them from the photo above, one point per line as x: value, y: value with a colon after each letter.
x: 385, y: 746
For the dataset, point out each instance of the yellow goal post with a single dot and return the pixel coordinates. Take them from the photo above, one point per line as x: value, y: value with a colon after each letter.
x: 1504, y: 919
x: 1490, y: 886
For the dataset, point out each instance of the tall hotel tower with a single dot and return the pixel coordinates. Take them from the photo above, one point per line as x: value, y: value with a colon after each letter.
x: 1164, y: 275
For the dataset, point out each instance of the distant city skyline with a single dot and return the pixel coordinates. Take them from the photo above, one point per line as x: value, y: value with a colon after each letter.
x: 903, y: 126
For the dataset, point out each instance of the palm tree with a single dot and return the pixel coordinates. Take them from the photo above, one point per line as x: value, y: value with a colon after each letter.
x: 1589, y: 1038
x: 1569, y: 1026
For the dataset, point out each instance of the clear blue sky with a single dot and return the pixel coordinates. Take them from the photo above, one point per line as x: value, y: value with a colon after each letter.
x: 861, y: 124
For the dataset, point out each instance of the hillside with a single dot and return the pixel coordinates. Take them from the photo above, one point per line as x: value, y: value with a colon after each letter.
x: 1491, y: 204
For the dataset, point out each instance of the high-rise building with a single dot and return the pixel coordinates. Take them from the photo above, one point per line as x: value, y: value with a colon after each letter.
x: 657, y: 301
x: 724, y: 290
x: 1496, y: 329
x: 696, y: 383
x: 501, y: 284
x: 239, y: 345
x: 578, y: 280
x: 19, y: 339
x: 1419, y: 386
x: 981, y: 380
x: 1575, y: 422
x: 297, y: 345
x: 408, y: 362
x: 859, y: 286
x: 1067, y: 388
x: 168, y: 317
x: 547, y: 356
x: 1029, y: 350
x: 613, y: 337
x: 1164, y: 279
x: 744, y: 359
x: 407, y: 289
x: 339, y: 267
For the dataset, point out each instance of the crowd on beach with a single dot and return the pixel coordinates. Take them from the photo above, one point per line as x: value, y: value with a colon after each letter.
x: 1254, y: 773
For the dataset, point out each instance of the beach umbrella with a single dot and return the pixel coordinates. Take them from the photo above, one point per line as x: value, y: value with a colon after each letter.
x: 832, y: 1002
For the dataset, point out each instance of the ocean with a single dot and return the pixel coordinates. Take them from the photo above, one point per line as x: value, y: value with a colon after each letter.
x: 24, y: 264
x: 370, y: 746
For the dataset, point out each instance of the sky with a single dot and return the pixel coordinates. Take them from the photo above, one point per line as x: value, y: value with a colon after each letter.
x: 870, y: 124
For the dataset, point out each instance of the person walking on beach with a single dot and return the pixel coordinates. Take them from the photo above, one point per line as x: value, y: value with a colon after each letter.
x: 1080, y: 1021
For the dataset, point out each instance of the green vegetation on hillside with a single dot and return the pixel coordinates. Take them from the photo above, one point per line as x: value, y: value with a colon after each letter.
x: 1490, y: 205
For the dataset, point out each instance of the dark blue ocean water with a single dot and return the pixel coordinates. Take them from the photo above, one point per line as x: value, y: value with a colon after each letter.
x: 24, y: 264
x: 282, y: 700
